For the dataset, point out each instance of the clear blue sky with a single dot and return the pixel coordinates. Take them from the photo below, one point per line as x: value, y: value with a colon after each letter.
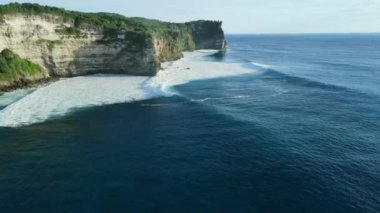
x: 246, y: 16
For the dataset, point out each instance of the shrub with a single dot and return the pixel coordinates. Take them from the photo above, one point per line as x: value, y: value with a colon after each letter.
x: 12, y: 66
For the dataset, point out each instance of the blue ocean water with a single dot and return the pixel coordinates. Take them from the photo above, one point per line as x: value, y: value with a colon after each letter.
x: 300, y: 134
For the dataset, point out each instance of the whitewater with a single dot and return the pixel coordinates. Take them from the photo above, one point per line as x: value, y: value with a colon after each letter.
x: 59, y: 98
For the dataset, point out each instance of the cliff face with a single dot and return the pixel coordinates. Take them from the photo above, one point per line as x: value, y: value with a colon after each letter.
x: 208, y: 35
x: 64, y: 48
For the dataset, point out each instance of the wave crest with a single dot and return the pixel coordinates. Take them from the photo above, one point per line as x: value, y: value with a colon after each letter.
x: 261, y: 65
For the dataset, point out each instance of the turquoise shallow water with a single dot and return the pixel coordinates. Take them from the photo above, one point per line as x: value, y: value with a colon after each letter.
x: 299, y: 135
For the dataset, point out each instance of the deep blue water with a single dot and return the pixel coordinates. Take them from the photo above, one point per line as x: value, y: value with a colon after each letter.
x: 302, y: 134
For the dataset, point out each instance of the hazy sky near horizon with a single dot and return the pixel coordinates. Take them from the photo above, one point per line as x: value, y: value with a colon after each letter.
x: 246, y: 16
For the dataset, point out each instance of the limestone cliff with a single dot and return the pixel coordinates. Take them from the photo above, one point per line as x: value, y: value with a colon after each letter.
x: 66, y: 43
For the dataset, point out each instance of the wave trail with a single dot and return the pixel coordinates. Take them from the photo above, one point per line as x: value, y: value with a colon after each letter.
x: 272, y: 74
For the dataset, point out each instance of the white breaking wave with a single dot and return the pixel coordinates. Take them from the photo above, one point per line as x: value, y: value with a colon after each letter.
x: 264, y: 66
x: 219, y: 98
x: 190, y: 69
x: 62, y: 96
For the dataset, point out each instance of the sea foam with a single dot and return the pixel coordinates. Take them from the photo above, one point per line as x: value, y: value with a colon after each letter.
x: 62, y: 96
x: 11, y: 97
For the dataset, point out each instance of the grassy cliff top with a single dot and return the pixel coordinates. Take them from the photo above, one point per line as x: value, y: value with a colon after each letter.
x: 107, y: 21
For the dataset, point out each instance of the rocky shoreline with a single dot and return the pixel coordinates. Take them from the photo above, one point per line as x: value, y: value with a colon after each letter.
x: 25, y: 84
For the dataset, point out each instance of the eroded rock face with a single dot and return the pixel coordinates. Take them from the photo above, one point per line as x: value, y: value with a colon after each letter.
x: 38, y: 39
x: 208, y: 35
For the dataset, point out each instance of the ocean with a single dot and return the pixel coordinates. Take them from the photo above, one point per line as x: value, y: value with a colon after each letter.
x: 280, y: 123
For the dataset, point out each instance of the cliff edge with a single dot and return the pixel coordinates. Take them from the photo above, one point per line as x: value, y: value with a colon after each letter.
x: 68, y: 43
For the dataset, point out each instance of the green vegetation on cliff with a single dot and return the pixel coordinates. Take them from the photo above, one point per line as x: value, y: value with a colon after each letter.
x: 139, y: 31
x: 12, y: 66
x: 109, y: 22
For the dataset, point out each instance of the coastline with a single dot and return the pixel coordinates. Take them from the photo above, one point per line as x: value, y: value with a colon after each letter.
x: 26, y: 84
x: 71, y: 43
x: 65, y: 95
